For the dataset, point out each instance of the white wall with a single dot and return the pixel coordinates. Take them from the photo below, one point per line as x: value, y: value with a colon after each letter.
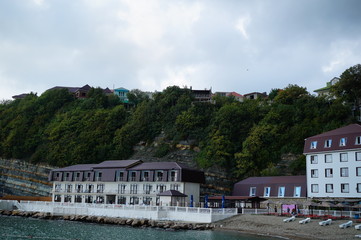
x: 336, y: 180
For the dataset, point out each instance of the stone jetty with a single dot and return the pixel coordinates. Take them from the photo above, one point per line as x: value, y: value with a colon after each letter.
x: 171, y: 225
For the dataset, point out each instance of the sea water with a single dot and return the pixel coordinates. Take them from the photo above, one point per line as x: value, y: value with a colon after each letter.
x: 32, y: 228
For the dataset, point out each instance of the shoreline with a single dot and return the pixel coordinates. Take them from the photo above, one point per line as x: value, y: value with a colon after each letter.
x: 273, y: 226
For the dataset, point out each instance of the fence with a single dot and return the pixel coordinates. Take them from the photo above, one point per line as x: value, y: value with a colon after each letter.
x: 201, y: 215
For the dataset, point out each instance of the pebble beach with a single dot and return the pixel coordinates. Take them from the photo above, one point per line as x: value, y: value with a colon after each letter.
x: 270, y: 225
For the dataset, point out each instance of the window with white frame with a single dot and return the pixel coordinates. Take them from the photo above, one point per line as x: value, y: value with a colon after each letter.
x: 314, y: 188
x: 358, y: 188
x: 344, y: 172
x: 281, y: 191
x: 343, y: 157
x: 328, y: 158
x: 57, y: 187
x: 358, y: 140
x: 146, y: 176
x: 314, y: 159
x: 358, y: 156
x: 313, y: 145
x: 314, y: 173
x: 328, y: 172
x: 342, y: 142
x: 345, y: 188
x: 328, y: 143
x: 297, y: 192
x: 100, y: 188
x: 329, y: 188
x: 267, y: 191
x: 133, y: 188
x: 358, y: 171
x: 122, y: 188
x: 252, y: 191
x: 147, y: 188
x: 161, y: 188
x: 69, y: 188
x: 174, y: 187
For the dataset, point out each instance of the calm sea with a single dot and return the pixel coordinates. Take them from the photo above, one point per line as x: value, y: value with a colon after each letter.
x: 30, y: 228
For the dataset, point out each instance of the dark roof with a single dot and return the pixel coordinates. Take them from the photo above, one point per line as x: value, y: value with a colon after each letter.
x: 172, y: 193
x: 237, y: 198
x: 70, y: 89
x: 118, y: 164
x: 20, y: 96
x: 350, y: 132
x: 273, y: 180
x: 79, y: 167
x: 158, y: 165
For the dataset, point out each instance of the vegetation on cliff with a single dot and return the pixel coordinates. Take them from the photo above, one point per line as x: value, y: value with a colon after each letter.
x: 247, y: 138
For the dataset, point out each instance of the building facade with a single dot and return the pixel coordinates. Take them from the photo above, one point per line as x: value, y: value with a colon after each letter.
x: 124, y: 182
x: 334, y: 163
x: 272, y: 187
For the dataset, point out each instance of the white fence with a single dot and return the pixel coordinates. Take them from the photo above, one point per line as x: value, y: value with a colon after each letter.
x: 187, y: 214
x: 319, y: 212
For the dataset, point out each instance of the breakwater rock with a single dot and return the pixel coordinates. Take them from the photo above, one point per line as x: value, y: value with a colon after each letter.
x: 171, y: 225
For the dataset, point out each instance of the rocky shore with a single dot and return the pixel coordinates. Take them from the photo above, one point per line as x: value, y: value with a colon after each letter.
x: 116, y: 221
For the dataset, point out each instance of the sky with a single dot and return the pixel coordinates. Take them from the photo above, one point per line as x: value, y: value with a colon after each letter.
x: 243, y: 45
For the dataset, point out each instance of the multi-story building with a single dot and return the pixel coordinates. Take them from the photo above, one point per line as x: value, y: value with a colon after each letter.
x: 334, y: 163
x: 124, y: 182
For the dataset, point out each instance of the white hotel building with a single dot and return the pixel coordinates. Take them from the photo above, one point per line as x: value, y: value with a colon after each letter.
x: 127, y: 182
x: 334, y: 163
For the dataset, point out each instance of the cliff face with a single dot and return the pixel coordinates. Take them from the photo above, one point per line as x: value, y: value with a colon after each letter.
x: 21, y: 178
x: 217, y: 179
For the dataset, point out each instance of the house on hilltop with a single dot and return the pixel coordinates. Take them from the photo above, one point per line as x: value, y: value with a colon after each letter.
x: 326, y: 91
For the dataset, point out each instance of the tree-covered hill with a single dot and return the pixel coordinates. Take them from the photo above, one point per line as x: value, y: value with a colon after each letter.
x: 246, y: 138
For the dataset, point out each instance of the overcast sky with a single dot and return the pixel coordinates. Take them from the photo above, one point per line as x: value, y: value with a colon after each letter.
x: 242, y: 46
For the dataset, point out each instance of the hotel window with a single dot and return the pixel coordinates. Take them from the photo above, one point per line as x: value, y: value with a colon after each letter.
x: 314, y: 188
x: 121, y: 188
x: 133, y: 188
x: 67, y: 198
x: 100, y: 188
x: 57, y: 198
x: 145, y: 176
x: 314, y: 145
x: 78, y: 198
x: 358, y: 187
x: 174, y: 187
x: 297, y: 192
x: 358, y: 171
x: 147, y: 189
x: 314, y: 159
x: 345, y: 188
x: 79, y: 188
x: 314, y: 173
x: 122, y: 200
x: 77, y: 176
x: 132, y: 176
x: 173, y: 176
x: 57, y: 187
x: 147, y: 200
x: 120, y: 176
x: 87, y: 176
x: 342, y: 142
x: 88, y: 199
x: 358, y: 156
x: 69, y: 188
x: 281, y: 191
x: 358, y: 140
x: 161, y: 188
x: 344, y: 172
x: 343, y: 157
x: 267, y: 191
x: 328, y: 158
x: 329, y: 188
x: 89, y: 188
x: 252, y: 192
x: 98, y: 176
x: 328, y: 143
x: 134, y: 200
x: 328, y: 172
x: 159, y: 176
